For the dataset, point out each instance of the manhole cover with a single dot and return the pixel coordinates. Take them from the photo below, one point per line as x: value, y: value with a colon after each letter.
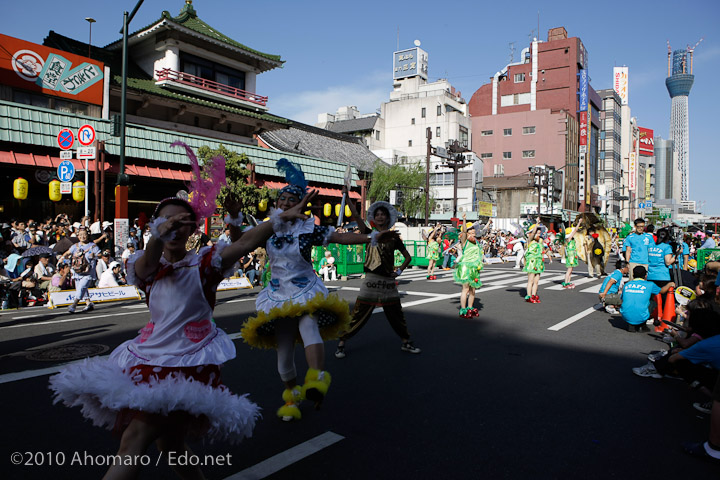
x: 68, y: 352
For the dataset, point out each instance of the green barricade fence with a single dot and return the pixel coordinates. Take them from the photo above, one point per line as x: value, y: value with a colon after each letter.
x: 351, y: 258
x: 705, y: 255
x: 417, y: 249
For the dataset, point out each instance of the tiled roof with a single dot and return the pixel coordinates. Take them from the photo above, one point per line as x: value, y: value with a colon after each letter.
x: 316, y: 142
x: 39, y: 127
x: 353, y: 125
x: 188, y: 19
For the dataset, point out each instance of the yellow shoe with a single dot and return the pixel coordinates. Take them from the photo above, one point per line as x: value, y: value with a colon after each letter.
x: 316, y: 385
x: 291, y: 410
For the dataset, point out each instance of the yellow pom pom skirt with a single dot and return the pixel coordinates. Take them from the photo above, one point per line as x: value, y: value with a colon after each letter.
x: 330, y: 311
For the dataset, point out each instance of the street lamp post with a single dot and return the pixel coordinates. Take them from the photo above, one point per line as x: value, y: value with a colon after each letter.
x: 121, y: 190
x: 90, y: 20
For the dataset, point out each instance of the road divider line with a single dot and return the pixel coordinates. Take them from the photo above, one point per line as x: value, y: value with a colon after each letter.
x: 284, y: 459
x: 573, y: 319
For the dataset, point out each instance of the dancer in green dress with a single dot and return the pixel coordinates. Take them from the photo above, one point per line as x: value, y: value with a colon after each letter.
x: 433, y: 250
x: 534, y: 265
x: 571, y: 255
x: 468, y: 268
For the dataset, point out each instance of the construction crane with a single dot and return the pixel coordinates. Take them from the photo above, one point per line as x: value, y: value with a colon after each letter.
x: 690, y: 51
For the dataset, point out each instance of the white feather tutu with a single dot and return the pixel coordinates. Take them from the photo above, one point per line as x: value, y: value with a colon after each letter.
x: 102, y: 390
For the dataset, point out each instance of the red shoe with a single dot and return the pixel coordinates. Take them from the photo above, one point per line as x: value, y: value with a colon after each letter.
x: 474, y: 312
x: 535, y: 299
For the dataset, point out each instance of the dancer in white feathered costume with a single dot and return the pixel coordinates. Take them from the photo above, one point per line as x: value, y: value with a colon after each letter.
x: 165, y: 384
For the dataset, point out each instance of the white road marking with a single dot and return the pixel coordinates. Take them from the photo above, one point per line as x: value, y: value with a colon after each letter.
x: 593, y: 289
x: 577, y: 282
x: 483, y: 276
x: 284, y: 459
x: 573, y: 319
x: 544, y: 281
x: 74, y: 319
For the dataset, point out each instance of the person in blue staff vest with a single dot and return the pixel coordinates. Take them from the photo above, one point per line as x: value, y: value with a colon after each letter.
x: 660, y: 257
x: 637, y: 300
x: 636, y: 247
x: 610, y: 295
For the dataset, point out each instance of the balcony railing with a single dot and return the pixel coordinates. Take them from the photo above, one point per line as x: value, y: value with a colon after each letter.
x: 214, y: 87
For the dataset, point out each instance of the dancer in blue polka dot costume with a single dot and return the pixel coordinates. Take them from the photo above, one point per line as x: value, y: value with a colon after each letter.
x: 295, y: 306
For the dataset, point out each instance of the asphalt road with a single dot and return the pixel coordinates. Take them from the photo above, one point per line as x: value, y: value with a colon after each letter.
x: 523, y: 391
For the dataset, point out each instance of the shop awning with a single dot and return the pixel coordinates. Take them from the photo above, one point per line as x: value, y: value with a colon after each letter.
x: 47, y: 161
x: 324, y: 191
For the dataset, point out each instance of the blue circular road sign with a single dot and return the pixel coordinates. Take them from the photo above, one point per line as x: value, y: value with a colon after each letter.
x: 66, y: 171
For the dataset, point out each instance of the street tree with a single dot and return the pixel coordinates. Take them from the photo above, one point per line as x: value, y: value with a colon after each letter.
x: 237, y: 172
x: 407, y: 180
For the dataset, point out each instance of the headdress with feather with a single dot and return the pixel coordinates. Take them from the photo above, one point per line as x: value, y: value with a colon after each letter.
x: 294, y: 176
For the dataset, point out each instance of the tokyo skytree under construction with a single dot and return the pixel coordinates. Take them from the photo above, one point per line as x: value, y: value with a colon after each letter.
x: 679, y: 82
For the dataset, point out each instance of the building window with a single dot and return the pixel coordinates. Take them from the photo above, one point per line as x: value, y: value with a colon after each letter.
x: 499, y: 170
x: 437, y: 132
x: 528, y: 153
x: 519, y: 77
x: 439, y: 110
x: 208, y: 70
x: 529, y: 130
x: 409, y: 143
x: 486, y: 155
x: 486, y: 133
x: 507, y: 155
x: 412, y: 121
x: 377, y: 134
x: 507, y: 132
x: 515, y: 99
x: 463, y: 136
x: 422, y: 112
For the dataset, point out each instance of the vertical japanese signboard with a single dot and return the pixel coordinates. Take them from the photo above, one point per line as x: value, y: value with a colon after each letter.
x: 632, y: 172
x: 620, y: 83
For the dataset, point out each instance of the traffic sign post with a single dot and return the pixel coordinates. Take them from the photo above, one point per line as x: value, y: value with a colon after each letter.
x: 86, y: 135
x: 65, y: 187
x: 66, y: 154
x: 65, y: 139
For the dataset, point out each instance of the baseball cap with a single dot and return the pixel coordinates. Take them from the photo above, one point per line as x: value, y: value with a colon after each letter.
x: 113, y: 265
x: 106, y: 253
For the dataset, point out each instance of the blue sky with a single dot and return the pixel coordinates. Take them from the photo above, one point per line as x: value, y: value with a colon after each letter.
x: 340, y: 53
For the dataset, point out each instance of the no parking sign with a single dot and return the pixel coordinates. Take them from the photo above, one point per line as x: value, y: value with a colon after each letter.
x: 65, y: 139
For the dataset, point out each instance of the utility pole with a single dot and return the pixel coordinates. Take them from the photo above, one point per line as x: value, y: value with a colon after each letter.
x: 455, y: 161
x: 539, y: 181
x: 428, y: 134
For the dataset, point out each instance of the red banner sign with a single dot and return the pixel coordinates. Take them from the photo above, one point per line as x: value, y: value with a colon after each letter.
x: 647, y: 144
x: 583, y: 128
x: 45, y: 70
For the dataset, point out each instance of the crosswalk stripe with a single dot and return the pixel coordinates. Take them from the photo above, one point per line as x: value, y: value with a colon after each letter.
x: 544, y: 281
x: 483, y: 277
x: 577, y: 282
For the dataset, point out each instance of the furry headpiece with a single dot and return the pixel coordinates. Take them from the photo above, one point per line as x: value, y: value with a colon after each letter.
x: 391, y: 211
